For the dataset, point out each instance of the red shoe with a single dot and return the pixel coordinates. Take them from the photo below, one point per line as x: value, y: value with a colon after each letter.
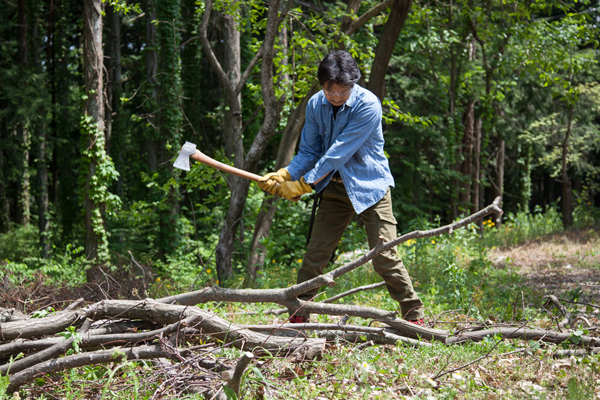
x: 420, y: 322
x: 298, y: 319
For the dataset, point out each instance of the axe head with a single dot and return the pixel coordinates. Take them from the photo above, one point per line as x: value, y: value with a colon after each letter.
x: 183, y: 160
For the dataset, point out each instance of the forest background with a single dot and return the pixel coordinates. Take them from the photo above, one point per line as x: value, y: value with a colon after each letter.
x: 481, y: 98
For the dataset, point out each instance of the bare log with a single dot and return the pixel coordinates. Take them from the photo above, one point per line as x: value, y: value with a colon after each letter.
x: 36, y: 327
x: 209, y: 323
x: 524, y: 334
x: 54, y: 351
x: 576, y: 353
x: 314, y: 326
x: 83, y: 359
x: 357, y: 337
x: 25, y: 345
x: 404, y: 328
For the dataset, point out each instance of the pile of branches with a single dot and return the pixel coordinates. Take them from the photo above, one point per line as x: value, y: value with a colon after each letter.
x: 165, y: 329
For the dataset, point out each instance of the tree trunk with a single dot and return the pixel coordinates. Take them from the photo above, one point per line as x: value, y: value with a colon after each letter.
x: 466, y: 167
x: 566, y: 189
x: 476, y: 203
x: 94, y: 107
x: 385, y: 46
x: 22, y: 128
x: 232, y: 64
x: 113, y: 67
x: 452, y: 142
x: 150, y: 51
x: 24, y: 191
x: 499, y: 184
x: 5, y: 203
x: 169, y: 116
x: 525, y: 180
x: 42, y: 164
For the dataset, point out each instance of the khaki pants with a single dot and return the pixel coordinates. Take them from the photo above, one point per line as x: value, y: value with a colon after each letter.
x: 334, y: 214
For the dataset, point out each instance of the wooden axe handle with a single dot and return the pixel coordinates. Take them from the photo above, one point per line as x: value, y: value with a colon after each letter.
x: 206, y: 160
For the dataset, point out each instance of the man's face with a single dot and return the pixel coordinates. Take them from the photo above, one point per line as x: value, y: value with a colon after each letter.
x: 337, y: 94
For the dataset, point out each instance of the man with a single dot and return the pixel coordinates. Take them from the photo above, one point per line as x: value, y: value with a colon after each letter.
x: 341, y: 154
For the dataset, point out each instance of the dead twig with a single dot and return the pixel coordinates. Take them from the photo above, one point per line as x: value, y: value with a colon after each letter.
x: 233, y: 377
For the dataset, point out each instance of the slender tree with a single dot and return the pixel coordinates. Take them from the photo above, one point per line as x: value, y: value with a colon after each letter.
x: 98, y: 169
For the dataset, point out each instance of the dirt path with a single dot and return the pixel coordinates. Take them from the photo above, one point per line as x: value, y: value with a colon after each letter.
x: 560, y: 264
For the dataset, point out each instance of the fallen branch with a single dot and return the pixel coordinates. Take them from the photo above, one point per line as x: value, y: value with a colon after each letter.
x: 352, y: 291
x: 233, y: 378
x: 83, y: 359
x: 524, y: 334
x: 52, y: 352
x: 563, y: 310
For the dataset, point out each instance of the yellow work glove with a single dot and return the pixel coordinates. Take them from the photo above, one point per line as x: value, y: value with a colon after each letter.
x: 271, y: 181
x: 293, y: 189
x: 280, y: 176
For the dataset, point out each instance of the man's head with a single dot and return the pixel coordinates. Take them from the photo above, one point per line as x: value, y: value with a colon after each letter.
x: 337, y: 75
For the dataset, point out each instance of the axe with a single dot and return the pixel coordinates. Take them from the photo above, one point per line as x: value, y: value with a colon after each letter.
x: 189, y: 150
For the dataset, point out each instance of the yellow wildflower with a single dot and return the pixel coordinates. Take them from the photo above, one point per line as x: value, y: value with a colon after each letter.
x: 208, y: 271
x: 157, y: 279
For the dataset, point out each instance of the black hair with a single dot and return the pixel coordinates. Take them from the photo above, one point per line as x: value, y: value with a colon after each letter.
x: 338, y: 67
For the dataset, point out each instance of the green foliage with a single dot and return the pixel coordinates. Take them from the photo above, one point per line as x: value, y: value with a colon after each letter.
x: 578, y: 389
x: 19, y: 243
x: 43, y: 313
x: 522, y: 226
x: 124, y: 6
x: 71, y: 332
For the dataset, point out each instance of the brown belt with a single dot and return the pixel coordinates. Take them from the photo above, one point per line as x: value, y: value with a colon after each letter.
x: 336, y: 178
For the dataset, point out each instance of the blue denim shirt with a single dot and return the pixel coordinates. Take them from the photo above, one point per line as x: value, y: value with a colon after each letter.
x: 351, y: 144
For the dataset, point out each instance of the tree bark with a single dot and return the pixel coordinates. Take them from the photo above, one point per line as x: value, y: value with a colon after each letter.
x: 42, y: 163
x: 151, y: 61
x: 499, y: 183
x: 93, y: 57
x: 466, y: 164
x: 5, y: 203
x: 22, y: 128
x: 385, y: 46
x: 113, y: 68
x: 476, y: 200
x: 566, y: 186
x: 232, y: 65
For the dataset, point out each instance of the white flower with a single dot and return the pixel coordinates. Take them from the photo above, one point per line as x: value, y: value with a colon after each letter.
x: 457, y: 376
x: 366, y: 368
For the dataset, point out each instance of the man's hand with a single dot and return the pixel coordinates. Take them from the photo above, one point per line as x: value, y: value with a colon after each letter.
x: 282, y: 175
x: 292, y: 190
x: 271, y: 181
